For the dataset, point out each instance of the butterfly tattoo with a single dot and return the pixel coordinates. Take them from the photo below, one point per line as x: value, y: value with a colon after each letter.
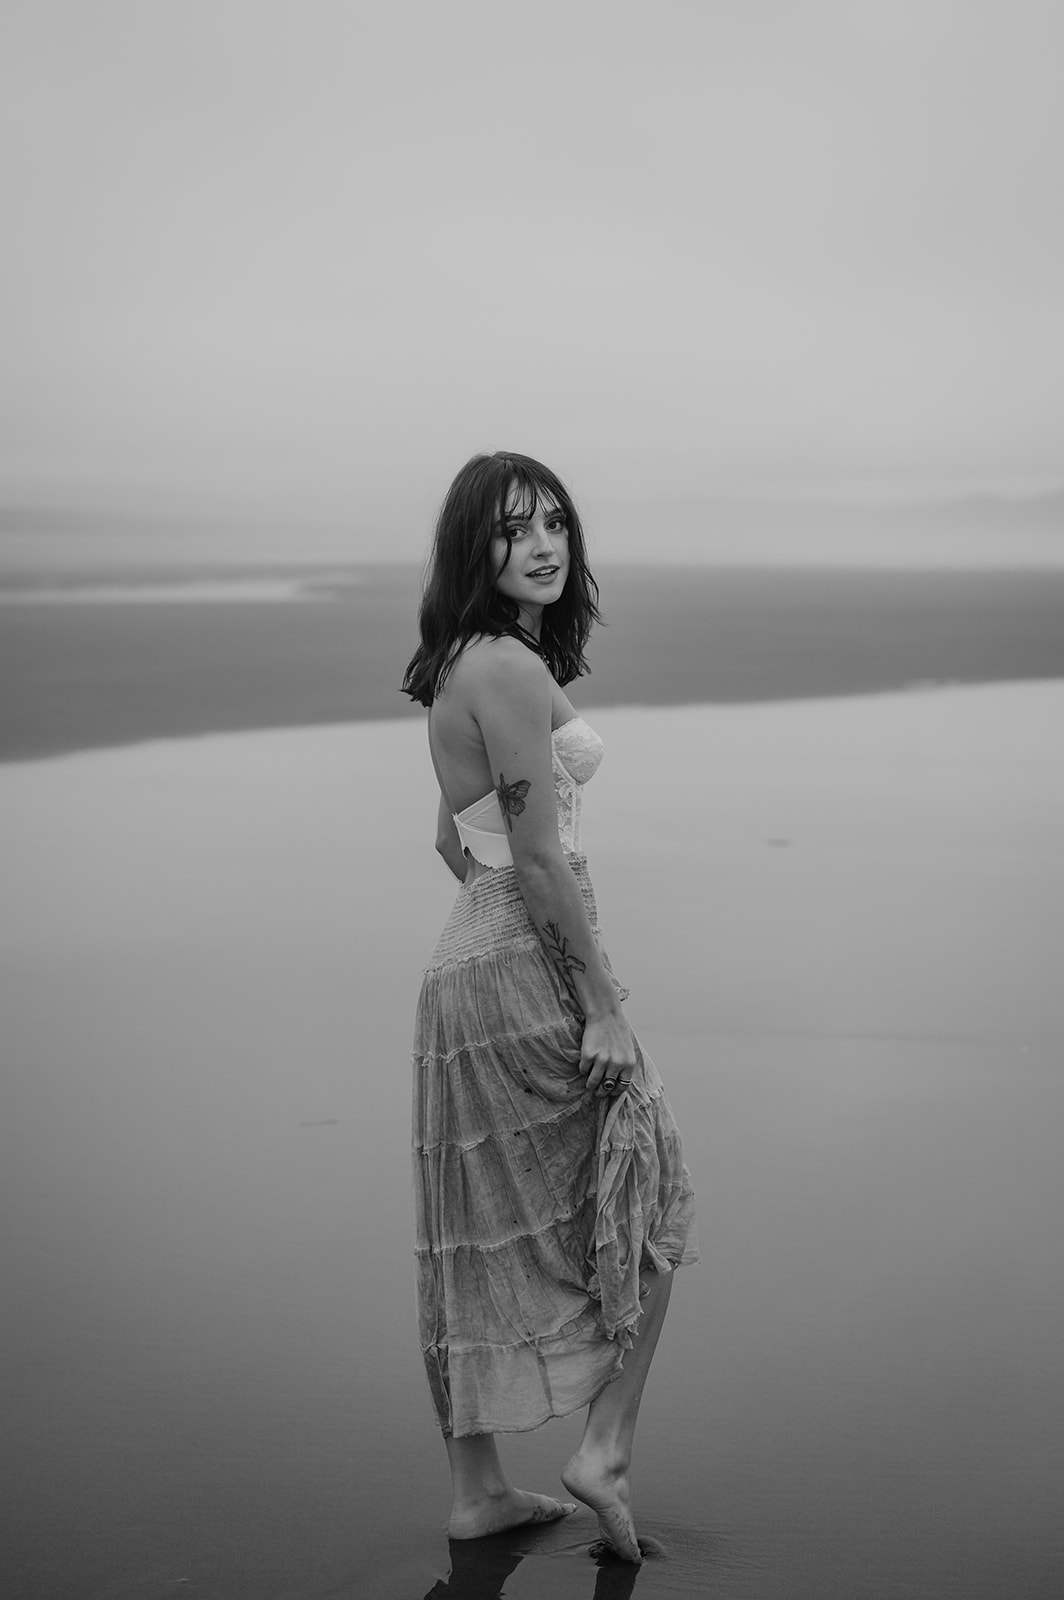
x: 511, y: 797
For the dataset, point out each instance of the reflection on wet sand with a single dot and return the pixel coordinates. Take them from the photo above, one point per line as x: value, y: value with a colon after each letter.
x: 214, y: 1381
x: 480, y: 1568
x: 526, y: 1565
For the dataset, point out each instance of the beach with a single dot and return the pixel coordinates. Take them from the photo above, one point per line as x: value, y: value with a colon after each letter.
x: 841, y: 922
x: 111, y: 656
x: 784, y: 347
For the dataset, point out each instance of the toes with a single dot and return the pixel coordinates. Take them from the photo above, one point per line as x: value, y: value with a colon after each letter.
x: 558, y: 1508
x: 551, y: 1510
x: 621, y: 1535
x: 606, y: 1550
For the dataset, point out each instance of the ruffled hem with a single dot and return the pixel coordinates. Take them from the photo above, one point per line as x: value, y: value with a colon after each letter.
x: 537, y: 1205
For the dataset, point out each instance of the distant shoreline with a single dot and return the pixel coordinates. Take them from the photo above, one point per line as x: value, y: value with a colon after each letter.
x: 149, y: 583
x: 77, y: 675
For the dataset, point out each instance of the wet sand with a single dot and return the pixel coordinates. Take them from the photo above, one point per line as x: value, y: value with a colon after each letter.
x: 844, y: 946
x: 85, y: 670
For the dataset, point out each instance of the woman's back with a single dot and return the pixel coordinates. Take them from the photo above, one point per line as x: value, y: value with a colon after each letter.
x: 456, y: 742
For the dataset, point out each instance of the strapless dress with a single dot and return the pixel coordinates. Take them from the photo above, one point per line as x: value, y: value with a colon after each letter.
x: 576, y: 751
x: 537, y: 1206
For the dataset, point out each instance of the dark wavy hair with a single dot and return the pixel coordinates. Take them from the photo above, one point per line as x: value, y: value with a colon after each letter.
x: 460, y: 600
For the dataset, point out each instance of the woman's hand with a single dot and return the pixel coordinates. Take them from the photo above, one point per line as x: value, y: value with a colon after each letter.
x: 608, y: 1054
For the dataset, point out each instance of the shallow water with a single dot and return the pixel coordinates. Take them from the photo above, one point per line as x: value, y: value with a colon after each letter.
x: 212, y: 1382
x: 858, y: 1392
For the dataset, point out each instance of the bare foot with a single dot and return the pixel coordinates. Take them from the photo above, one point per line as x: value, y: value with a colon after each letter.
x: 511, y: 1509
x: 606, y: 1491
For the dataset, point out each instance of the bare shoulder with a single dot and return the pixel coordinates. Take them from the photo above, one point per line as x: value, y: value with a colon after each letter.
x: 491, y: 669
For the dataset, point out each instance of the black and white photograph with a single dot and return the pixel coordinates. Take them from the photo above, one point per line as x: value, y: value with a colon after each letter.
x: 532, y: 800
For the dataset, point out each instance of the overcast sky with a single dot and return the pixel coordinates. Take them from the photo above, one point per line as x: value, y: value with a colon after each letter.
x: 300, y: 260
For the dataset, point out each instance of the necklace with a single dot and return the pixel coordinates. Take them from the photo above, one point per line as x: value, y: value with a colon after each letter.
x: 516, y: 631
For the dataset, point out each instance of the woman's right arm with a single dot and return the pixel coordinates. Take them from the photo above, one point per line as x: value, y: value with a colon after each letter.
x: 448, y: 844
x: 512, y: 705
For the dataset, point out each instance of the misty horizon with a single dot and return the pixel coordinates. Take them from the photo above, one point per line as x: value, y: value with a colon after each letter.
x: 275, y: 267
x: 974, y: 528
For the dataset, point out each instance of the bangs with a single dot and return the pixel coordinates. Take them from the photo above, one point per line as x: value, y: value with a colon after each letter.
x: 529, y: 483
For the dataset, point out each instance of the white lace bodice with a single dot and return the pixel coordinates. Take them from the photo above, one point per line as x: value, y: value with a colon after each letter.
x: 576, y: 751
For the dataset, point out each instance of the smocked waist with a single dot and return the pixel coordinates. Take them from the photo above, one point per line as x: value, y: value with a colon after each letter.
x: 490, y: 915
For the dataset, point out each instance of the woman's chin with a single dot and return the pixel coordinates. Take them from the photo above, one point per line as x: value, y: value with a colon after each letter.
x: 544, y: 594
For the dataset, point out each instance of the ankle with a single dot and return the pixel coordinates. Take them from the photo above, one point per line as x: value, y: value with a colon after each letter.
x: 483, y: 1492
x: 608, y: 1456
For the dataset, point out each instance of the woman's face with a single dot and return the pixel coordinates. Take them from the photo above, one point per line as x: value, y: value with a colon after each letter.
x: 531, y: 555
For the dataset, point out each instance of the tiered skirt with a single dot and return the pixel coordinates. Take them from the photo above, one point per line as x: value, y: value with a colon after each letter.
x: 537, y: 1204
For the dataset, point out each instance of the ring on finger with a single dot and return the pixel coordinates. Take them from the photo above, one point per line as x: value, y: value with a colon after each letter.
x: 609, y: 1084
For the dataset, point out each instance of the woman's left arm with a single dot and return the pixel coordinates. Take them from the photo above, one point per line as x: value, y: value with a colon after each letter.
x: 448, y: 843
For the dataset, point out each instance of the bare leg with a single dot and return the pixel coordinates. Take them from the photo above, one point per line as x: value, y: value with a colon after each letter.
x: 598, y: 1473
x: 484, y: 1500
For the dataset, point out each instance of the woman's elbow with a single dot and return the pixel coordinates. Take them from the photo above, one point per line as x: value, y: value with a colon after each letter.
x: 537, y: 861
x: 452, y: 854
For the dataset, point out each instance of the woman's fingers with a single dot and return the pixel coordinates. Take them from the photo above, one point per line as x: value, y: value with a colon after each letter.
x: 606, y: 1078
x: 608, y: 1056
x: 594, y: 1072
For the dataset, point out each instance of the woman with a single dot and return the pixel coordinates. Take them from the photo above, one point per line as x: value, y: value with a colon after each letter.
x: 552, y: 1200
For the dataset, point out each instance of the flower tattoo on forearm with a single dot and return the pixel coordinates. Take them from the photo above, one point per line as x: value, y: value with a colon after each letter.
x: 564, y: 959
x: 511, y: 798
